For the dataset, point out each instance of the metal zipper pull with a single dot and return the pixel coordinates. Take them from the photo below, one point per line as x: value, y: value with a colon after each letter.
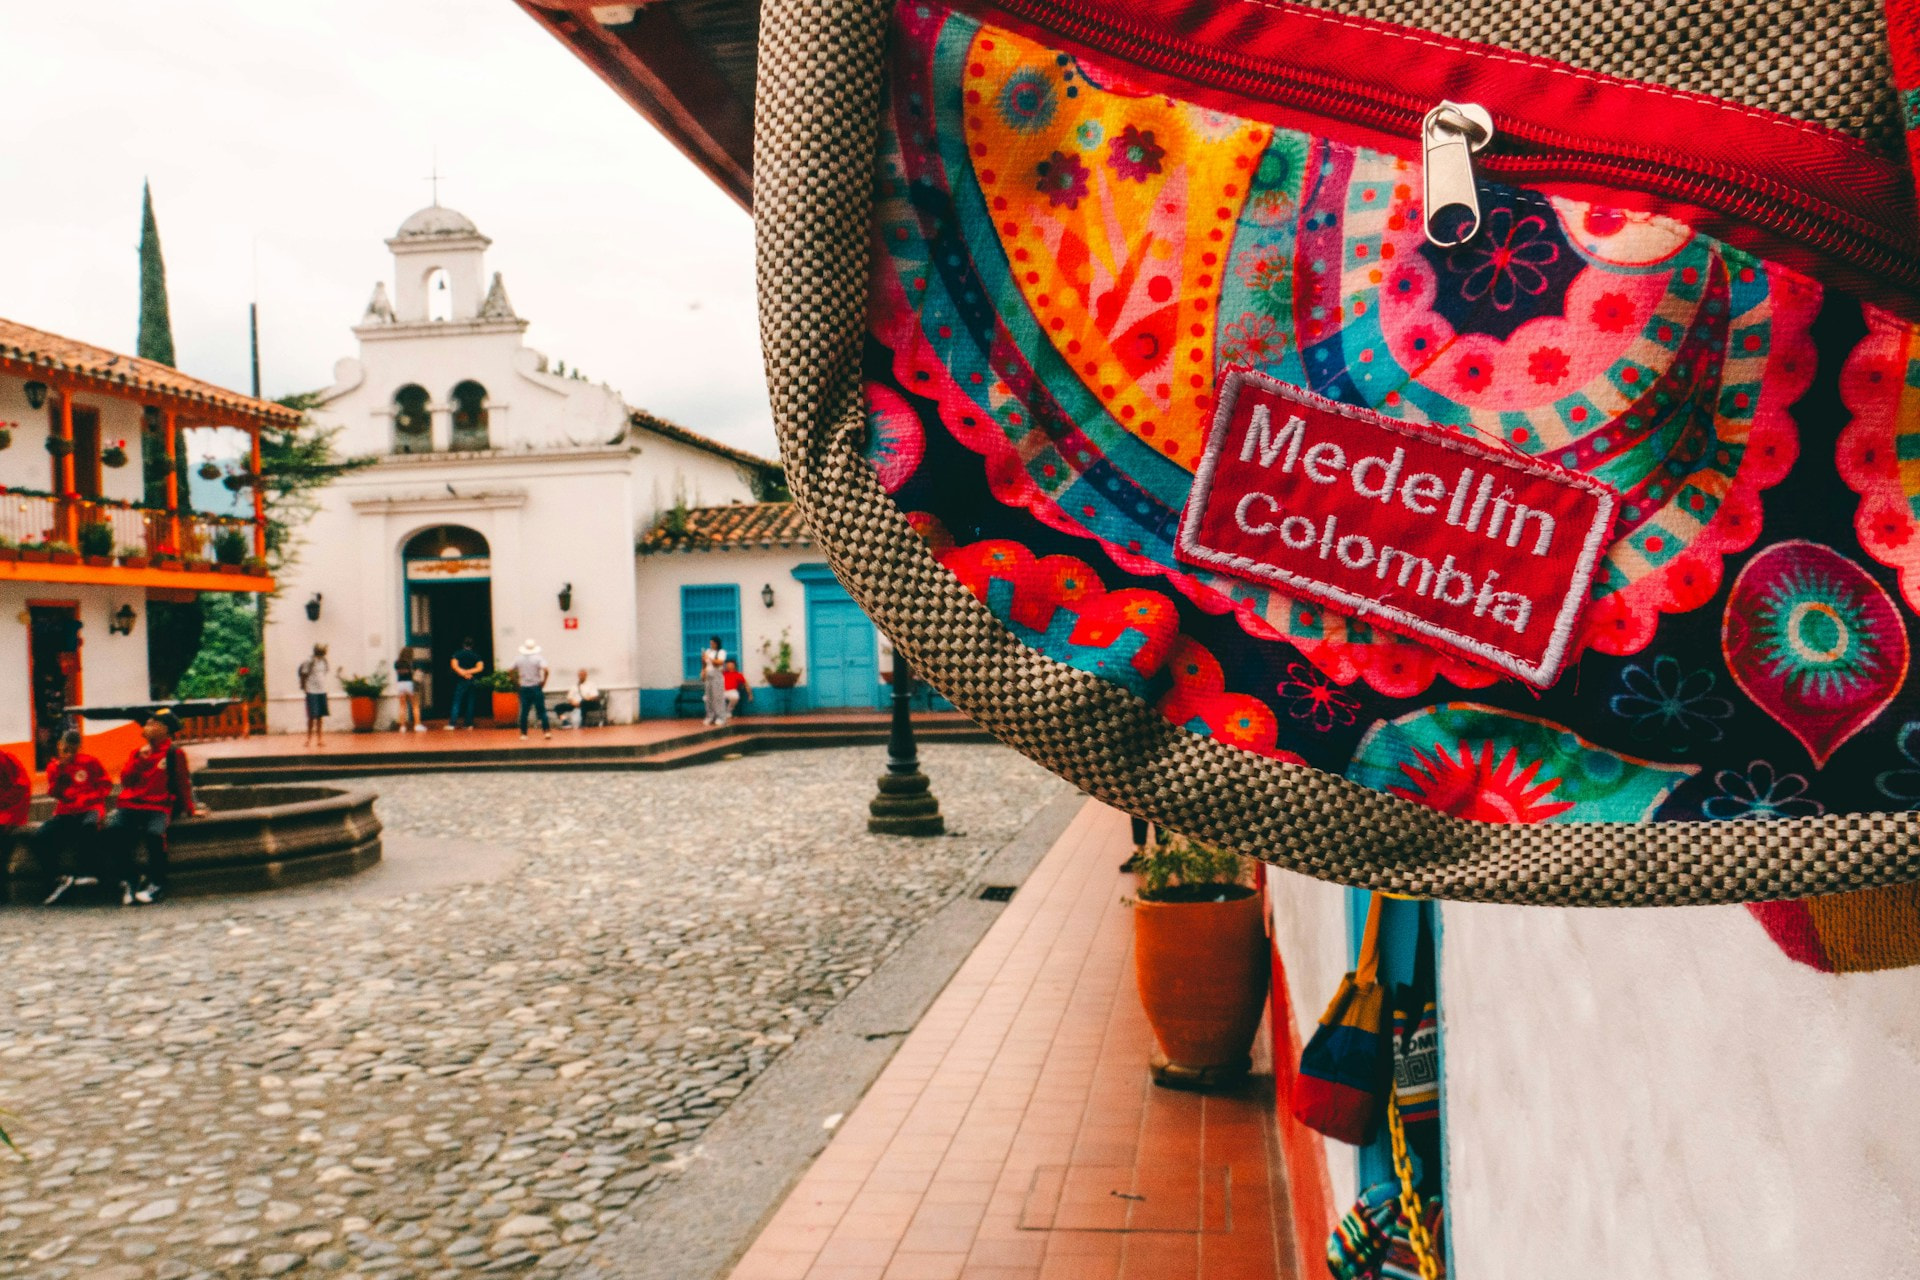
x: 1449, y: 135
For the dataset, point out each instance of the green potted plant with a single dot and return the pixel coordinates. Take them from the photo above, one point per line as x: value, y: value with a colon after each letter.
x: 6, y: 433
x: 1200, y: 959
x: 780, y: 671
x: 114, y: 455
x: 505, y: 686
x: 231, y: 549
x: 363, y: 698
x: 256, y: 566
x: 59, y: 446
x: 61, y: 552
x: 9, y: 549
x: 209, y: 470
x: 134, y: 558
x: 34, y: 553
x: 96, y: 542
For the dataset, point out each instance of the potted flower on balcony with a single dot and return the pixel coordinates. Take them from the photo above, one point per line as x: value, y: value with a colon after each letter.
x: 505, y: 685
x: 62, y: 552
x: 96, y: 542
x: 363, y: 698
x: 34, y: 553
x: 134, y: 558
x: 114, y: 455
x: 209, y: 470
x: 779, y: 671
x: 230, y: 548
x: 9, y: 549
x: 256, y: 565
x: 6, y: 433
x: 1200, y: 958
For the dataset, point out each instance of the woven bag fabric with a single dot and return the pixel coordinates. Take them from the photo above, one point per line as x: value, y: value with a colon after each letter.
x: 1192, y: 755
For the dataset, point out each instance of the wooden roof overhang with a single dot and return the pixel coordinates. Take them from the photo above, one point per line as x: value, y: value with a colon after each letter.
x: 686, y: 65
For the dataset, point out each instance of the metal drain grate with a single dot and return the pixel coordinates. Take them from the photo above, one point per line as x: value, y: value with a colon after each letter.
x: 996, y: 893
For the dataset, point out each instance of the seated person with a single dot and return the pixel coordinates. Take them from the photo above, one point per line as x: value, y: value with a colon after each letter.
x: 16, y: 795
x: 69, y: 841
x: 583, y: 697
x: 155, y: 789
x: 738, y: 690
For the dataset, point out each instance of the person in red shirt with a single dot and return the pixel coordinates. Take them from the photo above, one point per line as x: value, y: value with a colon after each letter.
x: 69, y: 840
x: 737, y: 690
x: 16, y: 794
x: 155, y: 788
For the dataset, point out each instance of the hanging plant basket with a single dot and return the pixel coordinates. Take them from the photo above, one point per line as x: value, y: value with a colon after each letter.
x: 209, y: 470
x: 113, y: 456
x: 6, y: 436
x: 59, y: 446
x: 239, y: 480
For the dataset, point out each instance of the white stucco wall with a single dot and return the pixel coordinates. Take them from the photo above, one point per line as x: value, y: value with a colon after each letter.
x: 27, y: 464
x: 1659, y: 1094
x: 113, y: 669
x: 1662, y: 1094
x: 670, y: 472
x: 661, y: 575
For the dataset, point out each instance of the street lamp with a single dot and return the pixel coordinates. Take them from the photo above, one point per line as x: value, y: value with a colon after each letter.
x: 313, y: 608
x: 121, y: 624
x: 566, y: 598
x: 36, y: 393
x: 766, y: 595
x: 905, y: 806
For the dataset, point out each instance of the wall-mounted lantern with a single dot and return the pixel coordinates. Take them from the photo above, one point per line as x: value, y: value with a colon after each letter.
x: 36, y: 393
x: 313, y: 608
x: 121, y: 624
x: 566, y: 598
x: 766, y: 595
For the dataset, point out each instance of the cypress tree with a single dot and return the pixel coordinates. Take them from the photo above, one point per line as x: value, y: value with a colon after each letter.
x: 156, y: 329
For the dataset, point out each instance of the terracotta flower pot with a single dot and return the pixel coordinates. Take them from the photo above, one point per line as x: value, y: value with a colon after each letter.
x: 506, y: 706
x: 33, y: 555
x: 99, y: 562
x: 1202, y: 969
x: 363, y: 711
x: 782, y: 679
x: 133, y: 562
x: 64, y: 557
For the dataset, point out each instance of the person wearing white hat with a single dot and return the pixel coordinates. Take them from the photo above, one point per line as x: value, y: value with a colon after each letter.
x: 531, y: 668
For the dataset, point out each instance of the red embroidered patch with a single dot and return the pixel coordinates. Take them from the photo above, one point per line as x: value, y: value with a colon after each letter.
x: 1471, y: 549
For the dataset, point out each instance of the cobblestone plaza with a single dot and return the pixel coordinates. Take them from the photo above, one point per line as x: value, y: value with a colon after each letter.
x: 482, y: 1076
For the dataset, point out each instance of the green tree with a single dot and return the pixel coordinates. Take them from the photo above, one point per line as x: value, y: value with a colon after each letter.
x: 769, y: 484
x: 228, y: 664
x: 156, y: 327
x: 295, y: 463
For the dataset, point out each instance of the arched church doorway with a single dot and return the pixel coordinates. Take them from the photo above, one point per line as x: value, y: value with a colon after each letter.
x: 449, y: 582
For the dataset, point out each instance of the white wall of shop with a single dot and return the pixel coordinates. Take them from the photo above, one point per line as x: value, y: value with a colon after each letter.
x: 26, y: 464
x: 113, y: 669
x: 660, y: 576
x: 1655, y: 1093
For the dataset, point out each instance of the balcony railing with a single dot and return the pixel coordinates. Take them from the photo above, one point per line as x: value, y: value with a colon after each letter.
x: 36, y: 523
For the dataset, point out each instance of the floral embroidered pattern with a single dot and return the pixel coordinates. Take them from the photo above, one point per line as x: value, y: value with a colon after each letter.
x: 1675, y: 705
x: 1506, y: 261
x: 1310, y: 696
x: 1063, y: 180
x: 1134, y: 155
x: 1759, y: 792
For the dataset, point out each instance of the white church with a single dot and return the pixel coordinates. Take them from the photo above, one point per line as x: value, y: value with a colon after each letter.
x: 510, y: 502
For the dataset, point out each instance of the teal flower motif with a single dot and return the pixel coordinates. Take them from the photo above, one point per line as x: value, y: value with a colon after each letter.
x: 1026, y: 102
x: 1088, y: 135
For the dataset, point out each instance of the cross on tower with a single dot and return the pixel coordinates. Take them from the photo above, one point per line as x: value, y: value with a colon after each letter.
x: 435, y: 177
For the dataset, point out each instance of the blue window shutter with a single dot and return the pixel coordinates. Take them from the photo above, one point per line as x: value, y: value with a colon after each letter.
x: 706, y: 612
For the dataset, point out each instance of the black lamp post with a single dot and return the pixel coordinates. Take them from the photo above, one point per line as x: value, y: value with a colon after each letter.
x: 905, y: 806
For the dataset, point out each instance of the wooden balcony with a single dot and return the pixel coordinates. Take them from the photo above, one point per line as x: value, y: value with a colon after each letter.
x: 45, y: 538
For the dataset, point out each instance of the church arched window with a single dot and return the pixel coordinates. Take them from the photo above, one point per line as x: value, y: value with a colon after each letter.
x: 439, y: 294
x: 412, y: 420
x: 470, y: 416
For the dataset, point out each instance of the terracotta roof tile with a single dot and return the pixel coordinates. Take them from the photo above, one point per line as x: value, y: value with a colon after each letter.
x: 30, y: 351
x: 732, y: 528
x: 645, y: 421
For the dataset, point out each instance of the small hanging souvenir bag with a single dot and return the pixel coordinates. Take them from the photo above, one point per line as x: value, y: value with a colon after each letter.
x: 1465, y: 460
x: 1344, y: 1068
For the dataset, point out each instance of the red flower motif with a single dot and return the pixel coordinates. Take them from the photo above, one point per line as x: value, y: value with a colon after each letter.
x: 1134, y: 155
x: 1505, y: 259
x: 1612, y: 312
x: 1063, y: 180
x: 1309, y: 696
x: 1473, y: 373
x: 1252, y: 339
x: 1547, y: 365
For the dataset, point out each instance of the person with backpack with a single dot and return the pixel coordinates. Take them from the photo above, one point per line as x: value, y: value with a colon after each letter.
x: 314, y: 673
x: 156, y: 787
x: 70, y: 840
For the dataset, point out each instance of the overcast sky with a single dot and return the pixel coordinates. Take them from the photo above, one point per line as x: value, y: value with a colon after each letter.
x: 301, y: 134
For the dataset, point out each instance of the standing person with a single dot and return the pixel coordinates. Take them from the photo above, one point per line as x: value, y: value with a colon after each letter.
x: 584, y: 695
x: 313, y: 682
x: 713, y: 680
x: 530, y: 668
x: 467, y: 667
x: 70, y: 839
x: 737, y: 688
x: 403, y: 690
x: 155, y: 788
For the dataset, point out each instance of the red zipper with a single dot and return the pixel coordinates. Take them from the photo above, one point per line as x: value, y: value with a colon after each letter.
x: 1872, y: 233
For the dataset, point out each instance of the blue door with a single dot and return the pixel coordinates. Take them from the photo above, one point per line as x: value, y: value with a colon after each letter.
x: 706, y: 612
x: 842, y: 650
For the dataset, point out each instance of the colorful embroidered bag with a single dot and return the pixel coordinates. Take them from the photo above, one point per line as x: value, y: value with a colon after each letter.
x: 1416, y: 1039
x: 1471, y: 471
x: 1345, y: 1069
x: 1360, y: 1239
